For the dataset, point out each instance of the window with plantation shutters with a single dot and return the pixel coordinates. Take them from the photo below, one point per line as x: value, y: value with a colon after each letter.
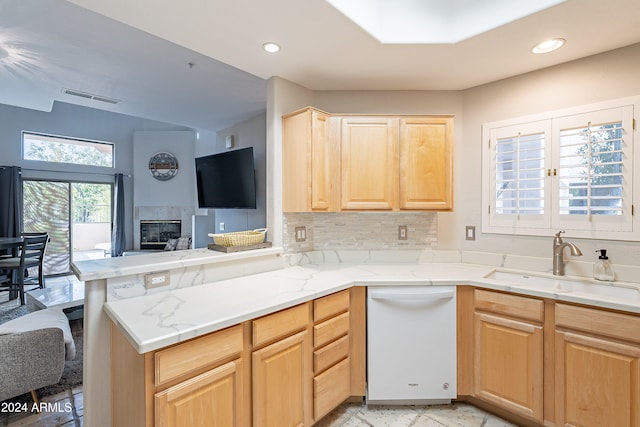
x: 590, y: 170
x: 571, y: 170
x: 518, y: 176
x: 593, y: 178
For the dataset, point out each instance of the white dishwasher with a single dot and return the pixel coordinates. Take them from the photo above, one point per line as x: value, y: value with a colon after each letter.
x: 411, y: 344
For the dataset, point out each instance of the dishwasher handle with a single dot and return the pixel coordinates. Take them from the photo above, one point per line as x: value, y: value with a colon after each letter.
x: 419, y: 295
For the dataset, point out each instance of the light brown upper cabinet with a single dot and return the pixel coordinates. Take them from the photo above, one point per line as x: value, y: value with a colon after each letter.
x: 306, y: 176
x: 369, y: 163
x: 426, y: 163
x: 343, y: 162
x: 397, y: 163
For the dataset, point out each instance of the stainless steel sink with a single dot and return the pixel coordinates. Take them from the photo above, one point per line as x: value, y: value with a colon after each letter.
x: 586, y: 287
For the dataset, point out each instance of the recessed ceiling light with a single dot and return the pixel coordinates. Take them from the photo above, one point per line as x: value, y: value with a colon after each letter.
x: 271, y: 47
x: 548, y: 46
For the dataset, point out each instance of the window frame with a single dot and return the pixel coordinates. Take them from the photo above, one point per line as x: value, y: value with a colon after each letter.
x: 68, y: 138
x: 624, y: 227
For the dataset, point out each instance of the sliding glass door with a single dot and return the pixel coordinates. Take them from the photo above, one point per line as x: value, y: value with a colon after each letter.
x: 76, y: 215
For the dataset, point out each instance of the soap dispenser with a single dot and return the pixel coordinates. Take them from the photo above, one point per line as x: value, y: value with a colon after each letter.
x: 602, y: 268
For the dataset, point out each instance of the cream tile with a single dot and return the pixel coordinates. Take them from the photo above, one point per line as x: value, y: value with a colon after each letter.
x: 355, y: 421
x: 425, y: 421
x: 454, y: 415
x: 389, y: 416
x: 340, y: 415
x: 463, y: 415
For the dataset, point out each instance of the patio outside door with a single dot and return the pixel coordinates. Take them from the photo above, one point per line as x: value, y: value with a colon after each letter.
x: 76, y: 215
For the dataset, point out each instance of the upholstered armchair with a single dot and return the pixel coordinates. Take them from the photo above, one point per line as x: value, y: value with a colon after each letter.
x: 33, y: 349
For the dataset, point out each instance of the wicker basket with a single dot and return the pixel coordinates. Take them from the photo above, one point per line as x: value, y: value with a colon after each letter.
x: 240, y: 238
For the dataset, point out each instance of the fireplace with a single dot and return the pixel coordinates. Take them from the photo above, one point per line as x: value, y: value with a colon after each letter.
x: 154, y: 234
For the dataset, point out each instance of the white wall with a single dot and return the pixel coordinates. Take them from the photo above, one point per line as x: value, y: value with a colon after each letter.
x: 606, y: 76
x: 248, y: 133
x: 174, y: 199
x: 179, y: 190
x: 282, y: 98
x: 602, y: 77
x: 78, y: 122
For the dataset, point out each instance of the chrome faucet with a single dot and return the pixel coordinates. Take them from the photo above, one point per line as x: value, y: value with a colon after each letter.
x: 558, y: 248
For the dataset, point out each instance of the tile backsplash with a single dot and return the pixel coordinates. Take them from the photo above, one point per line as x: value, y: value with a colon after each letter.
x: 360, y: 231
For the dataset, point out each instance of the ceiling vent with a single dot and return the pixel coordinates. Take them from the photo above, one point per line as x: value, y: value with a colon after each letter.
x: 90, y: 96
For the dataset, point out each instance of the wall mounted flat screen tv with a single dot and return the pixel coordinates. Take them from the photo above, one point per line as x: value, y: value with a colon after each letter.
x: 226, y: 180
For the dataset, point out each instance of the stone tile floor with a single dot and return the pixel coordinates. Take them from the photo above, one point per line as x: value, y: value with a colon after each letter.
x: 453, y: 415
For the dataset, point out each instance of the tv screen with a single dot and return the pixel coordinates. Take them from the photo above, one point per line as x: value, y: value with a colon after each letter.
x: 226, y: 180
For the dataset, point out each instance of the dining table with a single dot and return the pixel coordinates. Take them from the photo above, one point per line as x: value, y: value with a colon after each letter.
x: 12, y: 243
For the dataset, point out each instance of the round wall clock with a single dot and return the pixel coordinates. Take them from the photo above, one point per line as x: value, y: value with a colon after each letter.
x: 163, y: 166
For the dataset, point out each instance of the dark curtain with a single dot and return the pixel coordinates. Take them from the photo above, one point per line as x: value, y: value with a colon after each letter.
x: 10, y: 201
x: 117, y: 234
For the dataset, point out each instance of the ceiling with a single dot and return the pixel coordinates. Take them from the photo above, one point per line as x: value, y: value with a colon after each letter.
x: 200, y: 64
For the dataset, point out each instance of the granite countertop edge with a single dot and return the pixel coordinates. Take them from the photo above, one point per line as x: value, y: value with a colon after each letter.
x: 159, y: 320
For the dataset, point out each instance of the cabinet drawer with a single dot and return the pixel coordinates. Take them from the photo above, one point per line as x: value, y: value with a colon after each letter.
x: 197, y: 354
x: 511, y: 305
x: 330, y: 354
x: 281, y: 324
x: 329, y: 330
x: 615, y: 325
x: 330, y: 389
x: 330, y: 305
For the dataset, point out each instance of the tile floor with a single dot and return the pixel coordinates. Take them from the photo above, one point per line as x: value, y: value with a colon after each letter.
x: 453, y: 415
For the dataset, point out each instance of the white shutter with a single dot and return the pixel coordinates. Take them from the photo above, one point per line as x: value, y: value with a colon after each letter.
x: 570, y: 169
x: 593, y: 155
x: 518, y: 165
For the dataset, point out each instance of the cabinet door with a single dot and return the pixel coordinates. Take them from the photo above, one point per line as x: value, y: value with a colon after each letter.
x: 508, y: 364
x: 369, y: 163
x: 281, y: 375
x: 597, y: 382
x: 320, y: 154
x: 305, y: 161
x: 426, y: 163
x: 212, y: 399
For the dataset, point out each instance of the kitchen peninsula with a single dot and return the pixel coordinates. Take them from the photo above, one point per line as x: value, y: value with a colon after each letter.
x: 209, y: 293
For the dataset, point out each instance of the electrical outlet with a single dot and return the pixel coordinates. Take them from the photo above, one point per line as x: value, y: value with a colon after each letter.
x: 301, y: 234
x: 222, y: 226
x: 402, y: 232
x: 156, y: 280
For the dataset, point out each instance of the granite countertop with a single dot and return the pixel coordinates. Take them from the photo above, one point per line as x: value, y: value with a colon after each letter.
x: 107, y: 268
x: 154, y: 321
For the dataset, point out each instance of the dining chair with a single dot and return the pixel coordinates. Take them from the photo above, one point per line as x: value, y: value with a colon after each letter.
x: 30, y: 254
x: 37, y: 252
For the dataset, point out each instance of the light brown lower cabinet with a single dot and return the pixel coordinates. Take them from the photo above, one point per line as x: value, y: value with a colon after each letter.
x: 597, y: 367
x: 280, y: 376
x: 509, y: 352
x: 542, y: 362
x: 288, y: 368
x: 213, y: 398
x: 331, y: 364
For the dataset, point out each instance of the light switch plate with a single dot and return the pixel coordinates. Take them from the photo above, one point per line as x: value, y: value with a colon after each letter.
x: 301, y: 234
x: 470, y: 232
x: 156, y: 280
x: 402, y: 232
